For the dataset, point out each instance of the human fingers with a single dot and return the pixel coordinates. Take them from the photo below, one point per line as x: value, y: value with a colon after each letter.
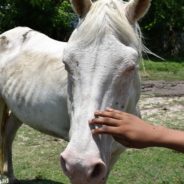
x: 124, y: 115
x: 113, y: 132
x: 109, y: 114
x: 104, y: 130
x: 113, y: 110
x: 104, y: 121
x: 118, y: 112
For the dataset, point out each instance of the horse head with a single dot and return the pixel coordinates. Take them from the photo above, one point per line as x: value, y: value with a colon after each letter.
x: 101, y: 58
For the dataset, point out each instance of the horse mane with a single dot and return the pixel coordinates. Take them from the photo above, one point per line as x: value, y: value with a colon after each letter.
x: 107, y: 17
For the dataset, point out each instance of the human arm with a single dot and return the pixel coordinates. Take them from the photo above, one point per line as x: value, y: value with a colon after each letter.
x: 131, y: 131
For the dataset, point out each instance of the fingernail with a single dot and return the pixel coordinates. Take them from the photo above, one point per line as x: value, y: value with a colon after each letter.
x: 93, y: 131
x: 109, y: 109
x: 92, y: 120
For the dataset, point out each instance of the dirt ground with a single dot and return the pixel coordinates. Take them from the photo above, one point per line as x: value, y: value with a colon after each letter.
x: 163, y: 103
x: 163, y: 88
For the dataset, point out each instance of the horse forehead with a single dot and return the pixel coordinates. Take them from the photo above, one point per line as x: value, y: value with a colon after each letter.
x: 110, y: 48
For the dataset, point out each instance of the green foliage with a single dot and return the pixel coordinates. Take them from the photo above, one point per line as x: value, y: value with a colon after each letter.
x: 52, y: 17
x: 164, y: 26
x: 168, y: 13
x: 64, y: 19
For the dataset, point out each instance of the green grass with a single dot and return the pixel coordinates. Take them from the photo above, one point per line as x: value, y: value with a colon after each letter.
x: 37, y: 158
x: 163, y: 70
x: 149, y: 166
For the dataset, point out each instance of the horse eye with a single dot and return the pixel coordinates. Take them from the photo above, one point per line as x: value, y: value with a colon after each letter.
x: 66, y: 66
x: 64, y: 62
x: 130, y: 68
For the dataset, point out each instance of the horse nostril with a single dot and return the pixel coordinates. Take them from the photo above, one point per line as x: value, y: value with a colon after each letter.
x: 83, y: 170
x: 98, y: 171
x: 64, y: 165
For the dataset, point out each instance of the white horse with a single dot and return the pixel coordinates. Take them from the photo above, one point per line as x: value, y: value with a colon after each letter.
x: 102, y: 58
x: 33, y: 86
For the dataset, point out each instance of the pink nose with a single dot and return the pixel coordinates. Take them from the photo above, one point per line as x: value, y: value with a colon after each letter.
x: 81, y: 170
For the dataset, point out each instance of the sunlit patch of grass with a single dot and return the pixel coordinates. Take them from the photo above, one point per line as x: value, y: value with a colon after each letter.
x: 36, y: 157
x: 163, y: 70
x: 148, y: 166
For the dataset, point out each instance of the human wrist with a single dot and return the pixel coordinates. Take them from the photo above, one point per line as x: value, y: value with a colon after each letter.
x: 169, y: 138
x: 174, y: 139
x: 159, y: 136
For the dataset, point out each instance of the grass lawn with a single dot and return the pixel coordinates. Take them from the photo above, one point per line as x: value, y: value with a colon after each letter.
x: 149, y: 166
x: 165, y: 70
x: 36, y: 156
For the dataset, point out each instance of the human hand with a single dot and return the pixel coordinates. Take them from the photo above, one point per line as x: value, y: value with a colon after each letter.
x: 127, y: 129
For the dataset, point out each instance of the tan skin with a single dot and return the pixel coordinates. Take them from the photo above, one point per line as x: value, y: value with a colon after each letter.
x: 133, y: 132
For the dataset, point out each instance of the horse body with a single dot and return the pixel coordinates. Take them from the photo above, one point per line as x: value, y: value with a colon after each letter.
x: 33, y: 83
x: 33, y: 86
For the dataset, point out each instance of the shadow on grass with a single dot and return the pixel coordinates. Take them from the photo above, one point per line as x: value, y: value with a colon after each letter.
x: 38, y: 181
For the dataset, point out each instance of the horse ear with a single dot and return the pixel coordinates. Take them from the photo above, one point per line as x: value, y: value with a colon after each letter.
x: 81, y: 7
x: 136, y: 9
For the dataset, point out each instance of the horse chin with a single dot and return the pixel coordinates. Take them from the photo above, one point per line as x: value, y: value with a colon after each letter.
x: 81, y: 180
x: 87, y: 182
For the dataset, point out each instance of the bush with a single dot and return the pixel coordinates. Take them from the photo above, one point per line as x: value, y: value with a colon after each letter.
x: 52, y: 17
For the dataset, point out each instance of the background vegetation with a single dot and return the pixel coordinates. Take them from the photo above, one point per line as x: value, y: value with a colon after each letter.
x: 163, y: 26
x: 168, y: 70
x: 52, y: 17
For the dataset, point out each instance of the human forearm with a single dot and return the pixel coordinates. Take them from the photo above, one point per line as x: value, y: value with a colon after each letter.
x: 170, y: 138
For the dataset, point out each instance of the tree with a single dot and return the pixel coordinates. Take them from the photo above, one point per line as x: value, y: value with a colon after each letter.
x: 164, y: 27
x: 52, y: 17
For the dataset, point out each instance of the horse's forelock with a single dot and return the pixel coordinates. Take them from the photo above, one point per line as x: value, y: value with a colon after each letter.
x: 107, y: 16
